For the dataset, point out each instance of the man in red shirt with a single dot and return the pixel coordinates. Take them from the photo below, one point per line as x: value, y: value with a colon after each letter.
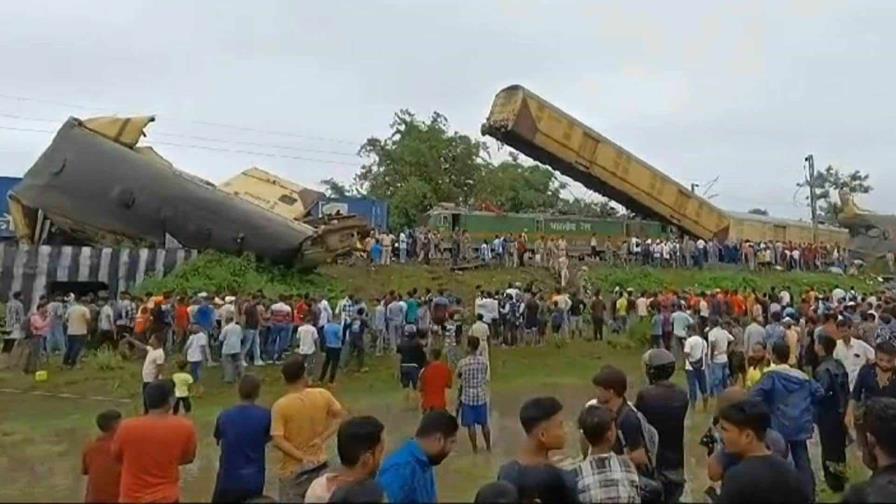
x: 152, y: 448
x: 301, y: 311
x: 435, y: 379
x: 97, y: 463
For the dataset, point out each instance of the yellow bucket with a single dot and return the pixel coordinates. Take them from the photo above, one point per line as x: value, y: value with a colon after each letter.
x: 40, y: 376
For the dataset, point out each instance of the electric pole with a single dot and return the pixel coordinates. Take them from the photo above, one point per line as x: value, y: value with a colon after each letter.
x: 810, y: 181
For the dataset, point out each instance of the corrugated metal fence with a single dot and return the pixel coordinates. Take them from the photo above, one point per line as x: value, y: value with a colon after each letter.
x: 32, y: 269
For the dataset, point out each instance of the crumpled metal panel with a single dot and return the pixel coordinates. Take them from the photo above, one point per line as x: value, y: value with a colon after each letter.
x: 97, y: 188
x: 871, y: 234
x: 275, y: 194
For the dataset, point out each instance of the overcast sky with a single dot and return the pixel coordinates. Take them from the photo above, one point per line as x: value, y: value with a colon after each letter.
x: 738, y: 90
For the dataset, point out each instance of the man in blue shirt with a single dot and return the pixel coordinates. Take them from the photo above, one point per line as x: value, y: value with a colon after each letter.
x: 332, y: 349
x: 205, y: 315
x: 407, y: 475
x: 242, y: 432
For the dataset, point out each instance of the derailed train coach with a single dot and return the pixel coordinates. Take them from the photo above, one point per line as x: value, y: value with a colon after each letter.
x: 98, y: 187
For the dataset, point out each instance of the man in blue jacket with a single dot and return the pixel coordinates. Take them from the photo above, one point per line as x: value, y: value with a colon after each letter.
x: 407, y: 475
x: 790, y: 395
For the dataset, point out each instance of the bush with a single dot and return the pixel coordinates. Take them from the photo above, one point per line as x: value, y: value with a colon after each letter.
x: 105, y: 359
x: 653, y: 279
x: 219, y: 273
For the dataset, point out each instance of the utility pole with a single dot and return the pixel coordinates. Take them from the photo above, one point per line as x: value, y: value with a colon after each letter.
x: 810, y: 181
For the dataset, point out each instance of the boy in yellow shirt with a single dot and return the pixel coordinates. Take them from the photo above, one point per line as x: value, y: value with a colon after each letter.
x: 182, y: 382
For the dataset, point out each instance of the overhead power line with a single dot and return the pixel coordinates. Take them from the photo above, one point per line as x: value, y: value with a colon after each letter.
x: 208, y: 148
x: 194, y: 121
x: 206, y: 138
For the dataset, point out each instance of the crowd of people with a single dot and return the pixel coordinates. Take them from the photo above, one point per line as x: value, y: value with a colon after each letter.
x: 779, y: 366
x: 518, y: 249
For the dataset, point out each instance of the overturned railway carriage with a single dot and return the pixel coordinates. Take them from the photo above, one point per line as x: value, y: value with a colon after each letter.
x: 97, y: 185
x: 532, y: 125
x: 576, y: 230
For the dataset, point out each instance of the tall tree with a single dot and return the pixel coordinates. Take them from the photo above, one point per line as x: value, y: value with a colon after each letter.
x: 828, y: 183
x: 420, y: 164
x: 516, y: 187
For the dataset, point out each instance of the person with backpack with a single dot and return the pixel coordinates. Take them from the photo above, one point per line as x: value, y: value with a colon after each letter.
x: 664, y: 405
x: 611, y: 384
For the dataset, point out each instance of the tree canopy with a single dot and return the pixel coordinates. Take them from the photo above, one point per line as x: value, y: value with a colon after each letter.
x: 828, y: 183
x: 423, y: 163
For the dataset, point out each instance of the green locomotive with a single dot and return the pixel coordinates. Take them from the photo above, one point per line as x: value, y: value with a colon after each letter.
x: 575, y: 229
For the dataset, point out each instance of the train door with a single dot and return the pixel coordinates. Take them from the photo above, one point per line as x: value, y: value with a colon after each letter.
x: 539, y: 225
x: 455, y: 221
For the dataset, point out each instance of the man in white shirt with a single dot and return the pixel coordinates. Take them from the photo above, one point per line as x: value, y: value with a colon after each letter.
x: 396, y: 313
x: 641, y: 305
x: 198, y: 352
x: 231, y: 351
x: 852, y: 352
x: 106, y: 323
x: 77, y: 319
x: 402, y: 247
x: 680, y: 323
x: 308, y: 346
x: 784, y: 296
x: 326, y: 313
x: 719, y: 339
x: 695, y: 350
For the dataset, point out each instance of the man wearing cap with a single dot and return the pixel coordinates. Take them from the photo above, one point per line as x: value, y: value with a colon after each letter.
x: 665, y: 406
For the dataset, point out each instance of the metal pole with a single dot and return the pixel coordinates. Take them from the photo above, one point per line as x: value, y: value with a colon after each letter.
x: 813, y: 202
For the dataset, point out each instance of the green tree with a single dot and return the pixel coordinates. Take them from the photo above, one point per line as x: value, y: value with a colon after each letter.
x: 828, y: 183
x: 516, y: 187
x: 602, y: 208
x: 758, y: 211
x: 335, y: 189
x: 420, y: 164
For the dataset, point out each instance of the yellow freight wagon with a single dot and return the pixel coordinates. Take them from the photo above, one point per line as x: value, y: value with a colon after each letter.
x: 530, y: 124
x: 746, y: 226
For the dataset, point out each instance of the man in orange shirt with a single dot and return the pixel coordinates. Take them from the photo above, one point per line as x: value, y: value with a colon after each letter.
x: 97, y: 463
x: 302, y: 421
x: 152, y: 448
x: 434, y: 381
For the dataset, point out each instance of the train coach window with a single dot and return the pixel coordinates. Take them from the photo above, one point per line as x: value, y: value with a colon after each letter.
x: 443, y: 221
x: 287, y: 199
